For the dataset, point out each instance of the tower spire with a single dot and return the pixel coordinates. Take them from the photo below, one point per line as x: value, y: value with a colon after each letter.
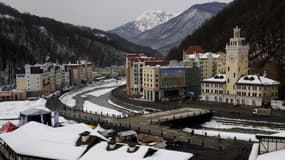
x: 237, y: 32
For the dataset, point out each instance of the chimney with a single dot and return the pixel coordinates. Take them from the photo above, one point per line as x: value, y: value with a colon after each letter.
x: 132, y: 147
x: 84, y: 136
x: 264, y: 74
x: 112, y: 144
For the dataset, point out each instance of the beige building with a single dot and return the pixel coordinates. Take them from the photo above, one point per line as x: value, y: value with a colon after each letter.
x: 151, y: 84
x: 134, y: 72
x: 221, y: 63
x: 35, y: 80
x: 236, y: 86
x: 80, y: 72
x: 162, y: 83
x: 210, y: 63
x: 42, y: 79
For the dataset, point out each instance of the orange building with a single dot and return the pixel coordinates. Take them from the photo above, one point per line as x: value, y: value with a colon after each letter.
x: 12, y: 95
x: 134, y: 72
x: 81, y: 71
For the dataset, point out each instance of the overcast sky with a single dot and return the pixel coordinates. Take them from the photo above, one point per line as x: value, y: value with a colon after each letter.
x: 101, y: 14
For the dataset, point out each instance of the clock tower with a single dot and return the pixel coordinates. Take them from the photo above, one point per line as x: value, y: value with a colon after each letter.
x: 236, y: 60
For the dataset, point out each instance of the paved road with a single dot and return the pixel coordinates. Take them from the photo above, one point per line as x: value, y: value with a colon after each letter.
x: 200, y: 145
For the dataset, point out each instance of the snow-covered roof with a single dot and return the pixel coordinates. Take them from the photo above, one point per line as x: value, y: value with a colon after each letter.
x: 220, y: 78
x: 99, y: 152
x: 277, y: 155
x: 127, y: 133
x: 257, y: 80
x: 38, y: 140
x: 47, y: 142
x: 203, y: 55
x: 34, y: 111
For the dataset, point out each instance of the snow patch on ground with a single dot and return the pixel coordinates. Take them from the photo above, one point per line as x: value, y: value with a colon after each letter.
x: 112, y: 103
x: 99, y: 92
x: 94, y: 108
x: 68, y: 99
x: 219, y: 125
x: 12, y: 109
x: 223, y: 134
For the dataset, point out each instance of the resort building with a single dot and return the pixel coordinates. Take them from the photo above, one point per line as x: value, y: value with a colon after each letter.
x: 12, y: 95
x: 162, y: 83
x: 42, y: 79
x: 80, y: 72
x: 35, y: 80
x: 193, y: 50
x: 210, y: 63
x: 62, y: 76
x: 236, y: 86
x: 134, y: 72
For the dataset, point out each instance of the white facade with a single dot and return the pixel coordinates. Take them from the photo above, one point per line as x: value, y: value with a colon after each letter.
x: 138, y: 76
x: 35, y: 78
x: 62, y: 76
x: 206, y: 62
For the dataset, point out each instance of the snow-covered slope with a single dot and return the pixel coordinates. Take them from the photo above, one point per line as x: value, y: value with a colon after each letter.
x: 162, y: 31
x: 146, y: 21
x: 168, y: 35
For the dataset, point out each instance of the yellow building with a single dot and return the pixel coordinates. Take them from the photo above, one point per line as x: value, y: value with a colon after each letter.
x: 210, y: 63
x: 151, y: 83
x: 80, y: 72
x: 221, y: 63
x: 21, y: 81
x: 236, y: 86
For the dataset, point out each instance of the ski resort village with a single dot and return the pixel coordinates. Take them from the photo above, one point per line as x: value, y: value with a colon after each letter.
x: 197, y: 85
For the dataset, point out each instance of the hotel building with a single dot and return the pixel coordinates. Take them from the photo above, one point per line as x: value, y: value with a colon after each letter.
x: 42, y: 79
x: 35, y: 80
x: 162, y: 83
x: 235, y: 86
x: 80, y: 72
x: 210, y: 63
x: 134, y: 72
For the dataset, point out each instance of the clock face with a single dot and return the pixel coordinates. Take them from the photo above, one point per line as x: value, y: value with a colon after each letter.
x: 242, y: 58
x: 231, y: 58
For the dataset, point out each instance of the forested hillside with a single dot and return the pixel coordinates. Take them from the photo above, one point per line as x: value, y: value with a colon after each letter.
x: 262, y: 23
x: 26, y: 38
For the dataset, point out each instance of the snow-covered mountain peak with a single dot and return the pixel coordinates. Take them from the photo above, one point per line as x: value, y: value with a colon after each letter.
x: 150, y: 19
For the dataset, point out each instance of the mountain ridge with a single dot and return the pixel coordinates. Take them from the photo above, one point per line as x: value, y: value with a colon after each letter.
x: 38, y: 37
x: 143, y: 22
x: 169, y: 34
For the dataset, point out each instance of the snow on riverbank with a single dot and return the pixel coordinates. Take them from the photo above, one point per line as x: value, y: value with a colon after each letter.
x: 112, y: 103
x: 68, y: 100
x: 223, y: 134
x: 94, y: 108
x: 219, y: 125
x: 99, y: 92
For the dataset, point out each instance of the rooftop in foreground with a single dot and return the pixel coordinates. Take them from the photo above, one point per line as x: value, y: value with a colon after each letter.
x: 60, y: 143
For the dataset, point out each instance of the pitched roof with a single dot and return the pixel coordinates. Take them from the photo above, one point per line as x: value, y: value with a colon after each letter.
x: 221, y: 78
x: 34, y: 111
x: 257, y: 80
